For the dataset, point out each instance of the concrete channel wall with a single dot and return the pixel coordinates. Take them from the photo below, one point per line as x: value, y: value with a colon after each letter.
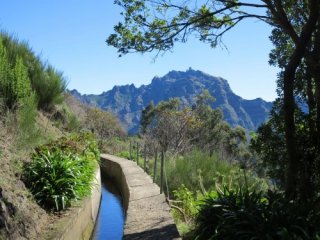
x: 78, y: 222
x: 148, y: 215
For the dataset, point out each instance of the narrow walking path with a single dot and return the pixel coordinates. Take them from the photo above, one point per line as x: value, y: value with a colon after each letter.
x: 148, y: 215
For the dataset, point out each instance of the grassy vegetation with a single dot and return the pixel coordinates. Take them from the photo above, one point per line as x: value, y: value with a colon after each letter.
x: 200, y: 171
x: 192, y: 178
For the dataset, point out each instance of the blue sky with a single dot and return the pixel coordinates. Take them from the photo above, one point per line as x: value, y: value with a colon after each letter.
x: 71, y: 36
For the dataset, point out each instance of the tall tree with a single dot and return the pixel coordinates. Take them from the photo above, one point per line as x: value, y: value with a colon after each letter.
x: 306, y: 115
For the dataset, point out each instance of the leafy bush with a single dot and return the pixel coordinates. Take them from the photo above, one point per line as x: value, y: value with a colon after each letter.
x: 28, y: 133
x: 126, y: 154
x: 49, y: 86
x: 186, y: 204
x: 200, y: 171
x: 73, y: 123
x: 62, y: 171
x: 243, y: 214
x: 120, y: 146
x: 57, y: 178
x: 103, y: 124
x: 83, y: 144
x: 115, y: 145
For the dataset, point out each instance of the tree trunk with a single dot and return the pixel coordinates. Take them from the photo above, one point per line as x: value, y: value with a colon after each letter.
x: 315, y: 73
x: 316, y: 76
x: 309, y: 156
x: 289, y: 106
x: 317, y: 80
x: 311, y: 101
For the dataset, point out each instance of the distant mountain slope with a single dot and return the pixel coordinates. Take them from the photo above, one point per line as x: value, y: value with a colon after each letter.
x: 128, y: 101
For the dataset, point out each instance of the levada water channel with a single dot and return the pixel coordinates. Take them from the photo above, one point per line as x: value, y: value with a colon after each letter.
x: 111, y: 217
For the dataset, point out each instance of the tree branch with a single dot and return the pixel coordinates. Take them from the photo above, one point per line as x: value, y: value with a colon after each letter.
x: 284, y: 21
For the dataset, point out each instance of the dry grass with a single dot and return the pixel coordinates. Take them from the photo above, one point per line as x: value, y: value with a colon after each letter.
x: 47, y: 127
x: 78, y: 108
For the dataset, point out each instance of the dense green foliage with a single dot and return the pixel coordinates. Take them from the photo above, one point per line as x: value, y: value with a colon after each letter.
x: 243, y: 214
x: 62, y: 171
x: 192, y: 177
x: 15, y: 85
x: 22, y: 72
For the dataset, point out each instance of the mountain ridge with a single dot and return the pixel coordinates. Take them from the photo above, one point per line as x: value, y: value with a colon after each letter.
x: 127, y: 101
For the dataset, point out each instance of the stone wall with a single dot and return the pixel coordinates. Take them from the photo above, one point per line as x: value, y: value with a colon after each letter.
x: 148, y: 215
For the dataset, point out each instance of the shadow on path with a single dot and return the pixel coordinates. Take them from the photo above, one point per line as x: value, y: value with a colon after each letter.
x: 168, y: 232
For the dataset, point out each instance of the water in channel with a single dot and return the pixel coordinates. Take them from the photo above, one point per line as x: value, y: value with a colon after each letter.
x: 111, y: 217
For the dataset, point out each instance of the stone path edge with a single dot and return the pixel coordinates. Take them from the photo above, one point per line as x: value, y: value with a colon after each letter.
x: 148, y: 215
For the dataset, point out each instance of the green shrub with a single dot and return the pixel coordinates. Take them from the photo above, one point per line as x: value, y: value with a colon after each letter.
x: 104, y: 124
x: 28, y: 133
x: 20, y: 67
x: 56, y: 179
x: 242, y: 214
x: 15, y: 84
x: 83, y: 144
x: 62, y: 171
x: 49, y: 86
x: 73, y: 124
x: 125, y: 154
x: 17, y: 96
x: 201, y: 172
x: 185, y: 208
x: 191, y: 178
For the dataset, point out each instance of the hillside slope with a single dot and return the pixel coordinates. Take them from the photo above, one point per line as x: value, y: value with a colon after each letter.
x: 128, y: 101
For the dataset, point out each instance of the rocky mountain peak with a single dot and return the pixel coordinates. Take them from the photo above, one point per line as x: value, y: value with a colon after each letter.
x: 128, y: 101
